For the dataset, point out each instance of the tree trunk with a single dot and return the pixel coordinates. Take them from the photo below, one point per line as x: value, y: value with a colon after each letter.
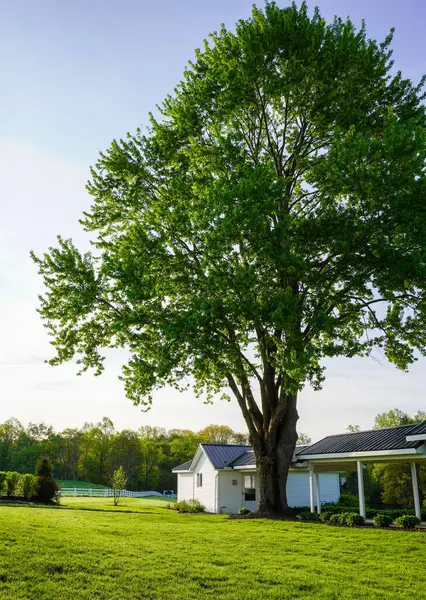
x: 273, y: 460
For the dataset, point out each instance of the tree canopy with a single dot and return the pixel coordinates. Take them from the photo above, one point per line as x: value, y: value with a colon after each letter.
x: 273, y: 216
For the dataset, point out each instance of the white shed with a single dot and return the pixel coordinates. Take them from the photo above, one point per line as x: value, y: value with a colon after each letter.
x: 223, y: 478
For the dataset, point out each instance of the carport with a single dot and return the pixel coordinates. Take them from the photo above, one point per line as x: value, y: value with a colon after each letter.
x: 351, y: 451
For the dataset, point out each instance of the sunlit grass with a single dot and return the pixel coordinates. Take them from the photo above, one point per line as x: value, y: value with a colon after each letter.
x: 88, y: 548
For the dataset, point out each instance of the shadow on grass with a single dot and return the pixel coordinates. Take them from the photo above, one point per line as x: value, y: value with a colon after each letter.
x: 78, y: 508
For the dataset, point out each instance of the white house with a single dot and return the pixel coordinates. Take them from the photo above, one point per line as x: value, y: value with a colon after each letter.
x: 223, y: 478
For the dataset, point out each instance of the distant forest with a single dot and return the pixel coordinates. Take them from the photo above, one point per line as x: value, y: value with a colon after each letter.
x: 94, y: 451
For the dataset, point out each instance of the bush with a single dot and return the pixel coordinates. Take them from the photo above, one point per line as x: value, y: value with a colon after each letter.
x: 382, y: 520
x: 348, y: 499
x: 309, y: 516
x: 244, y: 511
x: 299, y: 509
x: 47, y: 490
x: 29, y: 485
x: 335, y: 519
x: 407, y: 521
x: 44, y: 467
x: 12, y: 482
x: 2, y: 481
x: 353, y: 519
x: 325, y: 516
x: 190, y: 506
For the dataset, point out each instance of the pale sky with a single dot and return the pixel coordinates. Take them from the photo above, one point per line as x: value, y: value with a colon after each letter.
x: 75, y: 75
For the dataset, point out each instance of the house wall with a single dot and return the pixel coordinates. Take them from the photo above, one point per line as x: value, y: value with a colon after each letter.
x: 231, y: 497
x: 298, y: 488
x: 185, y: 486
x: 207, y: 493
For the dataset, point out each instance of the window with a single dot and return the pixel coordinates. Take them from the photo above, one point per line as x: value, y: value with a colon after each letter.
x: 199, y: 480
x: 249, y: 488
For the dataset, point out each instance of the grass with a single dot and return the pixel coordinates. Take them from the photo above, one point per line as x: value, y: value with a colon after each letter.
x: 89, y: 549
x: 74, y: 483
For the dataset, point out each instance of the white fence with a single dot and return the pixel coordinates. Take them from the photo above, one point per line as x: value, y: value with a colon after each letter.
x: 103, y: 492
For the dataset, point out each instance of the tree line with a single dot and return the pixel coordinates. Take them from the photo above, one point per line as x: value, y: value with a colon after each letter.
x: 94, y: 451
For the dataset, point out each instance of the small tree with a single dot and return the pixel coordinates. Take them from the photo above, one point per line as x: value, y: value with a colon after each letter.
x: 119, y: 480
x: 44, y: 467
x: 47, y: 486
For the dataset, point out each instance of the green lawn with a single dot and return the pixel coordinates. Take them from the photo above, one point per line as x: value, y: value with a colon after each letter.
x: 141, y: 550
x: 74, y: 483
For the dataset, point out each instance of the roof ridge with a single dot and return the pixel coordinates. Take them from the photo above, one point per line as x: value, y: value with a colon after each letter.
x: 231, y: 445
x: 369, y: 430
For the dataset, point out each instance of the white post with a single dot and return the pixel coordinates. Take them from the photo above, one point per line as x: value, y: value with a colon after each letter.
x: 361, y: 496
x: 90, y: 491
x: 75, y: 491
x: 317, y: 485
x: 311, y: 488
x: 415, y: 491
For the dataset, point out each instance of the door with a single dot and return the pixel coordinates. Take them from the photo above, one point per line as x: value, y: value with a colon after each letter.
x: 249, y: 492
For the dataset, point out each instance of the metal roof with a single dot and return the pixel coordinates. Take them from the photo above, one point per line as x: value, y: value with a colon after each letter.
x: 221, y: 455
x: 418, y: 429
x: 389, y: 438
x: 245, y: 459
x: 249, y: 459
x: 183, y: 467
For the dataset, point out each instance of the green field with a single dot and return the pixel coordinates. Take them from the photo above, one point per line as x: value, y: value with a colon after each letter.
x: 87, y: 548
x: 74, y: 483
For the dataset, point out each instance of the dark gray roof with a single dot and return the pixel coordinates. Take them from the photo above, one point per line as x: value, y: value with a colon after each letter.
x: 418, y: 429
x: 245, y: 459
x: 184, y: 466
x: 221, y: 455
x: 389, y: 438
x: 248, y: 458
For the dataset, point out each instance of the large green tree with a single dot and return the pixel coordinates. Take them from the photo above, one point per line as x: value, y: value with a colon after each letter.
x: 274, y: 215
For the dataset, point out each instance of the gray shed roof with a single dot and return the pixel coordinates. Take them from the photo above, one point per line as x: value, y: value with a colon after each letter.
x: 221, y: 455
x: 389, y: 438
x: 184, y: 466
x: 245, y: 459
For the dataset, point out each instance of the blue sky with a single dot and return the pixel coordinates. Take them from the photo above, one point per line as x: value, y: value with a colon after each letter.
x: 75, y: 75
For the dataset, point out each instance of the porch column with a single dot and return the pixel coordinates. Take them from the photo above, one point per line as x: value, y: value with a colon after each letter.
x: 317, y: 485
x: 311, y: 488
x: 361, y: 496
x: 415, y: 490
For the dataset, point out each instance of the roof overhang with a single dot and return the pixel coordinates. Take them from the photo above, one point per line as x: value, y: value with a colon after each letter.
x: 373, y: 455
x: 416, y: 438
x: 181, y: 471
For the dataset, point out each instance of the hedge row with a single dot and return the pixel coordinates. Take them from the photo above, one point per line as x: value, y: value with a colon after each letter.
x: 394, y: 513
x: 352, y: 519
x: 16, y: 484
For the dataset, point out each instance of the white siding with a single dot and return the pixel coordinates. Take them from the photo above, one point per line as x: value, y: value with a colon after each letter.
x: 206, y: 494
x: 185, y: 486
x: 230, y: 496
x: 298, y: 488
